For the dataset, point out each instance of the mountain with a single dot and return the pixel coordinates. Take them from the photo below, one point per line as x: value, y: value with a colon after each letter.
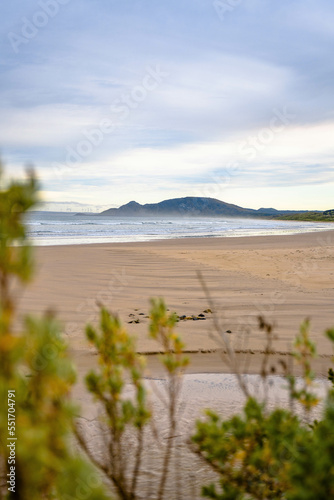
x: 191, y: 207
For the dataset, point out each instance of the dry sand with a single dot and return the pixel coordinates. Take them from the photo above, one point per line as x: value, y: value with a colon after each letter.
x: 284, y: 278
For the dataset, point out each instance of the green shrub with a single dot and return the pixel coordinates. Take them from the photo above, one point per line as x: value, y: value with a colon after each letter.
x: 271, y: 455
x: 36, y: 377
x: 119, y: 364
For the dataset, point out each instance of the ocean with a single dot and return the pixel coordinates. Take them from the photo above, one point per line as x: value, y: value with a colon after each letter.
x: 65, y: 228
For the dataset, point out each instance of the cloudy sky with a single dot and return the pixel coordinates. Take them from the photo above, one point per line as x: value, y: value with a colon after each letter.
x: 119, y: 100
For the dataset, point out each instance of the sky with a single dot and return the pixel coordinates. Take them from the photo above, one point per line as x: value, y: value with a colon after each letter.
x: 145, y: 100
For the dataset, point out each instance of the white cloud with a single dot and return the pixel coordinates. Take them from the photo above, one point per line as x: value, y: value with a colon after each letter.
x: 40, y: 126
x: 225, y: 79
x: 151, y: 174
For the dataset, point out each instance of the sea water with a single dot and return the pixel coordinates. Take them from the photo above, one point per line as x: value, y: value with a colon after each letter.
x: 65, y: 228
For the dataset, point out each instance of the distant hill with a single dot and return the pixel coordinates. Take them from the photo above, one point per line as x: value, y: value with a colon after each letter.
x: 191, y: 206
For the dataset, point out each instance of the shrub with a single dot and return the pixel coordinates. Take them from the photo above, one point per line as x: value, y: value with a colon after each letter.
x: 271, y: 455
x: 36, y: 376
x: 119, y: 363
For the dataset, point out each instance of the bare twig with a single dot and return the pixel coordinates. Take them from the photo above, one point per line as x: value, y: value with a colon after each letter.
x: 172, y: 394
x: 137, y: 466
x: 232, y: 361
x: 89, y: 454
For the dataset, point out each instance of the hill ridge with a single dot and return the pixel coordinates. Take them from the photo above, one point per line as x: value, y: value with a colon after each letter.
x: 192, y: 206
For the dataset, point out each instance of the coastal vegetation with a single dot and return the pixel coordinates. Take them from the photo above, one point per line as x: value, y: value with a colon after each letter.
x: 327, y: 216
x: 119, y: 364
x: 36, y: 377
x: 259, y: 454
x: 264, y: 454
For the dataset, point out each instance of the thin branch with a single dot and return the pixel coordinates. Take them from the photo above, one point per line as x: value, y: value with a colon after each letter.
x: 158, y: 393
x: 137, y: 466
x: 222, y: 334
x: 89, y: 454
x: 172, y: 393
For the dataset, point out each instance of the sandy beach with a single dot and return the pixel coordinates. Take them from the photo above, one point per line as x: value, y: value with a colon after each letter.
x: 284, y: 278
